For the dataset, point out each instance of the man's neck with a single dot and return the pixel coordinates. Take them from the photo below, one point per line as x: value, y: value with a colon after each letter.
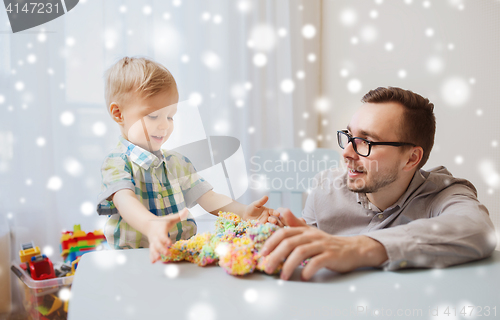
x: 388, y: 195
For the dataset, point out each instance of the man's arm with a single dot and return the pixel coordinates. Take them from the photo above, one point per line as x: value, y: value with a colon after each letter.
x: 460, y: 231
x: 308, y: 214
x: 337, y: 253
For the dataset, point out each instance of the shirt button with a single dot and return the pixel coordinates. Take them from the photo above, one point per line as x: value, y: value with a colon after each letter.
x: 403, y: 264
x: 159, y: 196
x: 381, y: 216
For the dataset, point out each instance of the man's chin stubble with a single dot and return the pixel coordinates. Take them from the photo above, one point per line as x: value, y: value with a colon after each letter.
x: 374, y: 188
x: 362, y: 189
x: 356, y: 190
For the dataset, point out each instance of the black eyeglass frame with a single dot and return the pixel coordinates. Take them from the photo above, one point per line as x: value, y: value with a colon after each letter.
x: 370, y: 143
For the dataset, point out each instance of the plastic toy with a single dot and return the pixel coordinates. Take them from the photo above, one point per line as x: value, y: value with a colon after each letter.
x: 28, y: 250
x: 62, y: 271
x: 75, y: 243
x: 49, y: 300
x: 41, y: 268
x: 235, y: 245
x: 74, y: 265
x: 37, y: 265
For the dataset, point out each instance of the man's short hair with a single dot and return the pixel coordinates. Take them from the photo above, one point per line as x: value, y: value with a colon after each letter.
x: 136, y: 74
x: 419, y: 123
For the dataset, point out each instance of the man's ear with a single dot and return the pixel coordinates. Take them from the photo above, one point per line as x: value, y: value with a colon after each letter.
x: 414, y: 159
x: 115, y: 112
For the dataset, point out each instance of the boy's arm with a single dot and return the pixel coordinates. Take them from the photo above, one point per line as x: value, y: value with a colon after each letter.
x: 154, y: 227
x: 214, y: 202
x: 132, y: 210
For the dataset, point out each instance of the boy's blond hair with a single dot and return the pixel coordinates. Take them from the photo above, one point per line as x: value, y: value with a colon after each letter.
x: 136, y: 74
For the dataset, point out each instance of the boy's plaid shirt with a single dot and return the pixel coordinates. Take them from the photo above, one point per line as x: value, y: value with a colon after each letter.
x: 164, y: 182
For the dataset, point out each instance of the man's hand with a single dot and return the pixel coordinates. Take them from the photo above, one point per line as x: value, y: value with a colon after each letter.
x: 158, y: 233
x: 337, y: 253
x: 257, y: 211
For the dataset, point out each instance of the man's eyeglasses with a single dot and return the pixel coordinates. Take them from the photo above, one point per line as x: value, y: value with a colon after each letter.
x: 362, y: 146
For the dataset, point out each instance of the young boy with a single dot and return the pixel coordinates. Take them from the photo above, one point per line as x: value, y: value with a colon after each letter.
x: 147, y: 190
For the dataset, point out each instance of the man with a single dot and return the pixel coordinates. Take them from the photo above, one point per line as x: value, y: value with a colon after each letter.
x: 396, y: 214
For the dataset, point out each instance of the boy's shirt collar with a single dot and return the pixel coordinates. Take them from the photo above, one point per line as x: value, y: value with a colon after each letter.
x: 142, y: 157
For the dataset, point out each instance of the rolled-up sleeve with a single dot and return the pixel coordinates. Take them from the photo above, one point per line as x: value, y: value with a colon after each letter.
x: 116, y: 174
x: 308, y: 212
x: 459, y: 230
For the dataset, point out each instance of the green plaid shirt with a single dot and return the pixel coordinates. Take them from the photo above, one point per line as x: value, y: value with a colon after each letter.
x: 165, y: 182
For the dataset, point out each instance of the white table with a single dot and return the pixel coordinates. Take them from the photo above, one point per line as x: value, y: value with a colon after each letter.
x: 125, y: 285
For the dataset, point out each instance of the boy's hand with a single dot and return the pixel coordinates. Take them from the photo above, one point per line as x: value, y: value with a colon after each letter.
x: 158, y: 233
x: 275, y: 218
x: 257, y: 211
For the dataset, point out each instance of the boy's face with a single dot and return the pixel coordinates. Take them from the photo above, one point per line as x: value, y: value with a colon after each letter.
x: 148, y: 123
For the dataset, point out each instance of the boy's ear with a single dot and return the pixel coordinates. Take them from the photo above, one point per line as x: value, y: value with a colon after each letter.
x: 115, y: 112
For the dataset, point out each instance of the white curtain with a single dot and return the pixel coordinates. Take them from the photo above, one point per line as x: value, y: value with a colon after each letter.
x: 248, y: 62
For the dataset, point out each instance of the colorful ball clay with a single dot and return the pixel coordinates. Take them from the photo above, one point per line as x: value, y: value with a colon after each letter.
x: 260, y: 233
x: 226, y: 221
x: 235, y: 245
x: 239, y: 259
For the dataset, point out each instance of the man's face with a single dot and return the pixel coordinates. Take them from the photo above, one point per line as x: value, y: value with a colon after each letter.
x: 380, y: 122
x: 148, y: 123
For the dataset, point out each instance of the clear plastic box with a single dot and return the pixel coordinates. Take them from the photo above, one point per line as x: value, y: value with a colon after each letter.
x: 44, y: 299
